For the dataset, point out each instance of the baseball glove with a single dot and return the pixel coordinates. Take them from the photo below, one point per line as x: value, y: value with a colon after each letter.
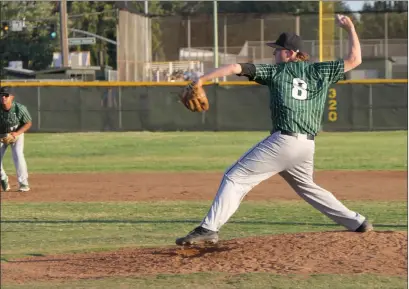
x: 7, y: 138
x: 194, y: 98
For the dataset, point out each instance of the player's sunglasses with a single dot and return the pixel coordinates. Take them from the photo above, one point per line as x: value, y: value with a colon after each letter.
x: 5, y: 95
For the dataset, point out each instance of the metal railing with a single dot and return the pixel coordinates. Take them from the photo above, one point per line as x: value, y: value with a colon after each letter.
x: 253, y: 50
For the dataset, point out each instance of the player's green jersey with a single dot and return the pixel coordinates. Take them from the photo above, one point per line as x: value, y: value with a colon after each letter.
x: 298, y: 91
x: 13, y: 119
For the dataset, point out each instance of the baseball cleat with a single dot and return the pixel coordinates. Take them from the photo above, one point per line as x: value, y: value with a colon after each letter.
x: 199, y: 235
x: 365, y: 227
x: 5, y: 187
x: 23, y: 188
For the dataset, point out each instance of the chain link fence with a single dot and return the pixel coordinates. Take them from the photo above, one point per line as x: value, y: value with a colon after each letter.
x: 349, y: 107
x: 242, y: 38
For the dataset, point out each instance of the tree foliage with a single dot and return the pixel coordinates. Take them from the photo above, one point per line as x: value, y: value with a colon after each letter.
x: 32, y: 46
x: 372, y: 22
x: 97, y: 17
x: 35, y: 48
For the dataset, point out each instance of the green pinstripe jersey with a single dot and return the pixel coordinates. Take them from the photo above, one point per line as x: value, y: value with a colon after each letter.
x: 298, y: 91
x: 13, y: 119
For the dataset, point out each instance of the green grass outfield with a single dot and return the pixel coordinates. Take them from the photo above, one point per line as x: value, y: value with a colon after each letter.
x: 50, y: 228
x: 199, y: 151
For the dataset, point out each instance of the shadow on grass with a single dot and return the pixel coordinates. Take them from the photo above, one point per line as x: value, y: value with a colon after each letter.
x: 92, y: 221
x: 183, y: 252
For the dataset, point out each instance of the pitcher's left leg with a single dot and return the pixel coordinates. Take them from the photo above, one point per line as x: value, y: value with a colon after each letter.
x: 259, y: 163
x: 17, y: 150
x: 300, y: 178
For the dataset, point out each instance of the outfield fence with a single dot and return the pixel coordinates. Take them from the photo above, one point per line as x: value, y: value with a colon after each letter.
x: 234, y: 106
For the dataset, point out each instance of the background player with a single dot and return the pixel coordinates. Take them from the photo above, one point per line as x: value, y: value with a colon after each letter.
x: 16, y: 120
x: 298, y: 91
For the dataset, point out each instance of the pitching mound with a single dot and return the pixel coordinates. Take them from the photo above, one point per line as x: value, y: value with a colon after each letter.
x: 302, y: 253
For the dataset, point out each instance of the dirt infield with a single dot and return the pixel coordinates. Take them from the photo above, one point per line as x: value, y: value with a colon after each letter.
x: 345, y: 185
x: 328, y: 252
x: 303, y: 253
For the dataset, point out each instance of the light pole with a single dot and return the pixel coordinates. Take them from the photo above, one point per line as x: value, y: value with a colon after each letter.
x: 64, y: 34
x: 216, y: 37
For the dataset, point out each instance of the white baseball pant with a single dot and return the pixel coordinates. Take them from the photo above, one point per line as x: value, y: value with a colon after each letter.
x: 292, y: 158
x: 17, y: 150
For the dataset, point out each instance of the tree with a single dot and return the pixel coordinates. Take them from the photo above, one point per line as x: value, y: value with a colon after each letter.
x: 32, y: 46
x: 372, y: 21
x: 261, y: 7
x: 242, y: 22
x: 98, y: 17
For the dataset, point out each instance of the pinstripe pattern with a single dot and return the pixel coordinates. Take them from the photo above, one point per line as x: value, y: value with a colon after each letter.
x: 13, y: 119
x: 294, y: 108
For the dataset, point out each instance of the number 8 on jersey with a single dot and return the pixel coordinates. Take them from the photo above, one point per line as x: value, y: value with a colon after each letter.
x: 299, y: 89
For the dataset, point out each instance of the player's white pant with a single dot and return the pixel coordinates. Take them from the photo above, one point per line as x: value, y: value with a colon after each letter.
x: 292, y: 158
x: 17, y: 150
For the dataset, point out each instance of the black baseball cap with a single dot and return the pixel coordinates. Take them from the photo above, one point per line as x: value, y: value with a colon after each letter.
x: 5, y: 90
x: 289, y: 41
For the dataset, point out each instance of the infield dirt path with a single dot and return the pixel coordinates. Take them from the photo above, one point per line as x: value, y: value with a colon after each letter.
x: 336, y: 252
x: 345, y: 185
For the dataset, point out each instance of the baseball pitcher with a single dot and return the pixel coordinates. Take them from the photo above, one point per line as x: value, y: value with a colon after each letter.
x: 15, y: 120
x: 298, y: 90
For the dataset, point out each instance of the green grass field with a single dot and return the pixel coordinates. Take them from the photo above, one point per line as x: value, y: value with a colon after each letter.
x: 77, y: 227
x: 200, y: 151
x: 50, y: 228
x: 227, y: 281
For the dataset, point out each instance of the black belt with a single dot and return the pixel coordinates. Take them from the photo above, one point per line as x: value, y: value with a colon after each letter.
x: 294, y: 134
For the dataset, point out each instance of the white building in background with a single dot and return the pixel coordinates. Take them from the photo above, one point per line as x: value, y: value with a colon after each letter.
x: 75, y: 59
x: 16, y: 64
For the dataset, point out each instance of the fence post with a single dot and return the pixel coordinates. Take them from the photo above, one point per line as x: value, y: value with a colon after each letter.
x: 81, y: 115
x: 262, y: 37
x: 120, y: 107
x: 386, y: 44
x: 225, y: 42
x: 189, y: 36
x: 216, y: 106
x: 38, y: 108
x: 215, y: 38
x: 341, y: 44
x: 370, y: 103
x: 297, y: 22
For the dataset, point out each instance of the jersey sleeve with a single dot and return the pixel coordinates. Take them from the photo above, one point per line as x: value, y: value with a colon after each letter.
x: 331, y: 71
x: 264, y: 73
x: 24, y: 116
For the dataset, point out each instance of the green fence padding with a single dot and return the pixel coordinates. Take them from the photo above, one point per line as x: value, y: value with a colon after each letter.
x: 349, y: 107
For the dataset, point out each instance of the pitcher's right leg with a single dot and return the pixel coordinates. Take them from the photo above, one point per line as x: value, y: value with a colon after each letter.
x: 300, y: 178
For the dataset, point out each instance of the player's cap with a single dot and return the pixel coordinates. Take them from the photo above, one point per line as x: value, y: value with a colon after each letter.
x: 289, y: 41
x: 5, y: 90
